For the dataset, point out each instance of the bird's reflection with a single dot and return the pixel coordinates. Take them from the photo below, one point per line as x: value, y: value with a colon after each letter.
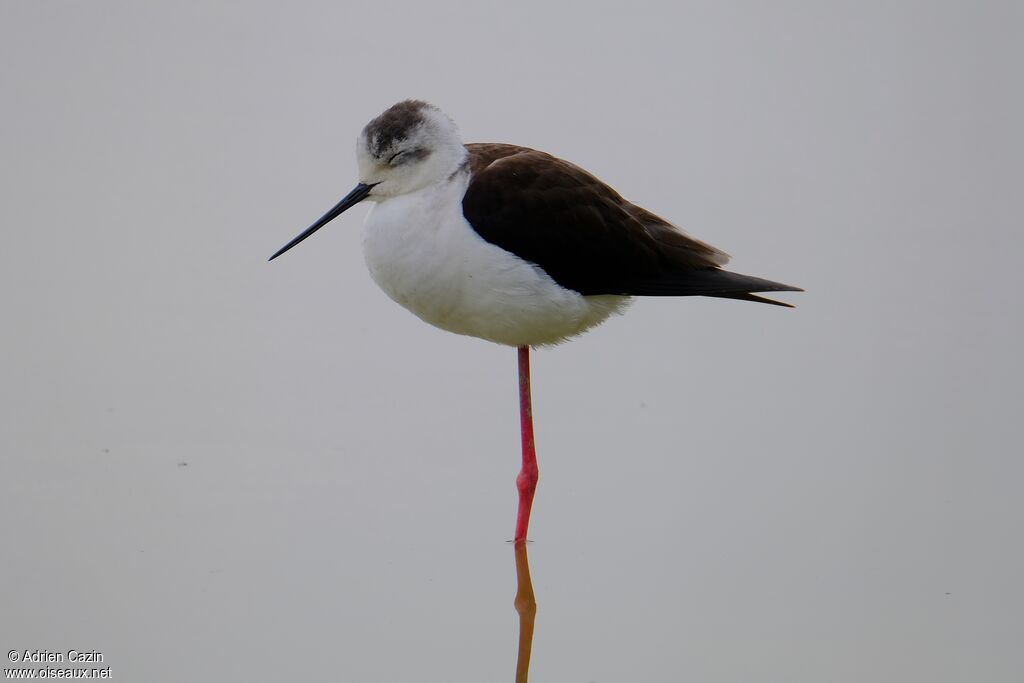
x: 526, y: 605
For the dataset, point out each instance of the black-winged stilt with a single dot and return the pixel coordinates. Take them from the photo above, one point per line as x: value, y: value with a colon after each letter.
x: 513, y: 245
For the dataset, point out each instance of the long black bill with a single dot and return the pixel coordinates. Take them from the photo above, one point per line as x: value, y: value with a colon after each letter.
x: 351, y: 199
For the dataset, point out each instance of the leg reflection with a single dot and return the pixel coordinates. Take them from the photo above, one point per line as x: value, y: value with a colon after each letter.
x: 526, y: 605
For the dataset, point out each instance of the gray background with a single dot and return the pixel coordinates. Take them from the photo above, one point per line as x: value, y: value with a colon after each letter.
x: 215, y: 468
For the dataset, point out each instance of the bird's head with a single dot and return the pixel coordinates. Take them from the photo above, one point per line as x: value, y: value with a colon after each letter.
x: 412, y: 145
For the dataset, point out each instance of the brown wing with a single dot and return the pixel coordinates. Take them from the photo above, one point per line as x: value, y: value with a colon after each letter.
x: 584, y: 234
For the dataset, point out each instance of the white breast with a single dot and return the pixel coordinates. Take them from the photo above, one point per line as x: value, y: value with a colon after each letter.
x: 421, y: 251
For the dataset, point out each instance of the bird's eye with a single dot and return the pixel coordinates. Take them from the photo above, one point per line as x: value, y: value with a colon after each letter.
x: 407, y: 155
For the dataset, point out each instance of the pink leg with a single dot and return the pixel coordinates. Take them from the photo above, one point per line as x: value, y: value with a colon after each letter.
x: 526, y: 482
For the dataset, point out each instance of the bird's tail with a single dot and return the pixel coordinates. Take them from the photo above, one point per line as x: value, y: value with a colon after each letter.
x: 713, y: 282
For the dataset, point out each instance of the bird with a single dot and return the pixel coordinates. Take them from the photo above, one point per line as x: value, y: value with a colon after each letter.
x: 514, y: 246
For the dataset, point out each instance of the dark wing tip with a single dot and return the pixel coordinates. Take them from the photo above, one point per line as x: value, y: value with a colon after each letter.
x: 747, y: 296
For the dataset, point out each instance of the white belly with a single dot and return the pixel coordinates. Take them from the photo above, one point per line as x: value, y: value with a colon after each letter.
x: 421, y: 251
